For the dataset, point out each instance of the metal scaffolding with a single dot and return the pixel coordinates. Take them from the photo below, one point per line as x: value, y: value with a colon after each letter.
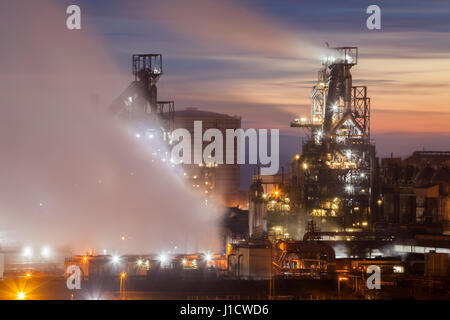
x: 336, y: 165
x: 139, y: 104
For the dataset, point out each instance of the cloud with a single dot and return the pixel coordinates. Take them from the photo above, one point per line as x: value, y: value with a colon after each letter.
x: 224, y: 26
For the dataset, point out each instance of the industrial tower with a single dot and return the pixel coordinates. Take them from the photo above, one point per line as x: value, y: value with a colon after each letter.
x: 139, y: 104
x: 337, y: 162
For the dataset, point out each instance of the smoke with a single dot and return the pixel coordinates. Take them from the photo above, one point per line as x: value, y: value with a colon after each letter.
x: 222, y: 26
x: 70, y: 174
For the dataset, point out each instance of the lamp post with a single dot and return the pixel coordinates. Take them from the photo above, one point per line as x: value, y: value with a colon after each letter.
x: 123, y: 276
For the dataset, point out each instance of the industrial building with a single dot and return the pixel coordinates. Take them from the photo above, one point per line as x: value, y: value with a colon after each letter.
x: 337, y: 163
x: 148, y: 118
x: 415, y: 191
x: 215, y: 180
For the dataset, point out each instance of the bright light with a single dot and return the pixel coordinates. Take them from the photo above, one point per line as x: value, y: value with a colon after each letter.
x: 139, y: 262
x: 184, y: 261
x: 319, y: 133
x: 162, y: 258
x: 363, y: 175
x: 305, y: 166
x: 137, y: 135
x: 208, y: 257
x: 123, y: 275
x: 399, y: 269
x: 45, y: 252
x: 85, y: 259
x: 297, y: 156
x: 115, y: 258
x: 28, y: 275
x: 348, y: 154
x: 335, y: 108
x: 27, y: 252
x: 150, y: 136
x: 130, y: 99
x: 276, y: 193
x: 349, y: 188
x: 21, y: 295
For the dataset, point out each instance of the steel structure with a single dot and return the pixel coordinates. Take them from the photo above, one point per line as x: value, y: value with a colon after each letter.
x: 337, y: 159
x: 139, y: 103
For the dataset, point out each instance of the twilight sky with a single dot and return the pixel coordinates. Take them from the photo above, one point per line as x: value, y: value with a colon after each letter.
x: 258, y: 58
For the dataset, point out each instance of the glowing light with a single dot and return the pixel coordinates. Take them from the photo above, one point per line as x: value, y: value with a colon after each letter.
x: 137, y: 135
x: 305, y: 166
x: 21, y: 295
x: 348, y: 154
x: 349, y: 188
x: 380, y: 202
x: 297, y: 156
x: 319, y: 134
x: 123, y: 275
x: 208, y: 257
x: 276, y: 192
x: 45, y: 252
x: 28, y: 275
x: 115, y: 259
x: 139, y: 262
x: 130, y: 99
x: 162, y: 258
x: 27, y: 252
x: 184, y: 261
x: 85, y: 259
x: 399, y: 269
